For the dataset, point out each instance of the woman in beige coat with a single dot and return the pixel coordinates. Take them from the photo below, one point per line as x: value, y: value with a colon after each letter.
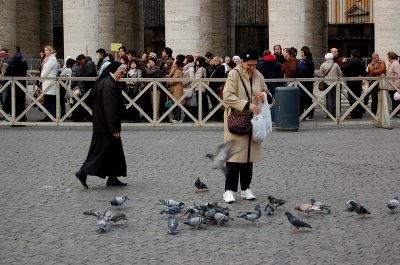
x: 176, y: 88
x: 241, y: 163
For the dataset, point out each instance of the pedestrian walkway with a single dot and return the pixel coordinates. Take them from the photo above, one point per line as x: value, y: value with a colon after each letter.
x: 42, y: 202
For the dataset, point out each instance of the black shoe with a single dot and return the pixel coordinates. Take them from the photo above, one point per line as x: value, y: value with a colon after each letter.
x: 82, y: 178
x: 114, y: 181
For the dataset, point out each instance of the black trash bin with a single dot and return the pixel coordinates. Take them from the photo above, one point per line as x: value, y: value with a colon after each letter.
x: 287, y: 109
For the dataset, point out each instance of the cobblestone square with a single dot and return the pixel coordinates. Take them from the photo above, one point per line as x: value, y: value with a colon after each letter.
x: 42, y: 202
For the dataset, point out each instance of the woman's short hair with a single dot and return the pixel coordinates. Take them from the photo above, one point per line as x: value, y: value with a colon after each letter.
x: 329, y: 56
x: 392, y: 55
x: 189, y: 58
x: 70, y: 62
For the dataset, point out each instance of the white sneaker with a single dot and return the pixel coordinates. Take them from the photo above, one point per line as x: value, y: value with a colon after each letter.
x: 228, y: 196
x: 247, y: 194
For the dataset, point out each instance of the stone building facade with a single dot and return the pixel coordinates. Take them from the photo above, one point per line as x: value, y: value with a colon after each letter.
x: 223, y: 26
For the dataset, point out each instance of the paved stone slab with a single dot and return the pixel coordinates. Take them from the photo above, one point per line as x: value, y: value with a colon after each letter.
x: 42, y: 222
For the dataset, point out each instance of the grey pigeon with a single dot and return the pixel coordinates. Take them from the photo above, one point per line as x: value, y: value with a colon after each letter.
x: 118, y: 201
x: 191, y: 212
x: 252, y: 216
x: 170, y: 203
x: 171, y: 210
x: 349, y: 205
x: 296, y: 222
x: 269, y: 209
x: 224, y: 152
x: 393, y: 204
x: 221, y: 218
x: 276, y: 202
x: 102, y: 224
x: 358, y: 208
x: 200, y: 185
x: 172, y: 225
x: 195, y: 222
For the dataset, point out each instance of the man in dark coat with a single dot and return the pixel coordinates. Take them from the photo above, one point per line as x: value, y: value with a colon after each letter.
x: 106, y: 155
x: 354, y: 68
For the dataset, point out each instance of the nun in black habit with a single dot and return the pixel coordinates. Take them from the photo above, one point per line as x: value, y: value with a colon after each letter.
x: 106, y: 154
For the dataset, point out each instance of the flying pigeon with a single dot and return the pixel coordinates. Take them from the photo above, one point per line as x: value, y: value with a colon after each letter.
x: 200, y: 185
x: 108, y: 216
x: 269, y: 209
x: 393, y: 204
x: 224, y: 152
x: 276, y: 202
x: 307, y: 208
x: 359, y: 209
x: 252, y: 216
x: 170, y: 203
x: 118, y: 201
x: 195, y: 222
x: 296, y: 222
x: 114, y: 216
x: 172, y: 225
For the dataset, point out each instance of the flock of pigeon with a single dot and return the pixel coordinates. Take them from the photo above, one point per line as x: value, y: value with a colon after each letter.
x: 211, y: 213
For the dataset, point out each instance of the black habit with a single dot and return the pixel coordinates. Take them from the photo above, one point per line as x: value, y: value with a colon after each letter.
x: 106, y: 155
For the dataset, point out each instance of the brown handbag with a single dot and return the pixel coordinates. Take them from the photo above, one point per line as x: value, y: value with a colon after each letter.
x: 239, y: 122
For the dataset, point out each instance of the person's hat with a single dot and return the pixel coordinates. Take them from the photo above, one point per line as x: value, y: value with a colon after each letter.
x: 269, y: 57
x: 153, y: 59
x: 153, y: 55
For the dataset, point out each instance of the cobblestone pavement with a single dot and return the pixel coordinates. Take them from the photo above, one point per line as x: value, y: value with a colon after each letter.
x: 43, y: 223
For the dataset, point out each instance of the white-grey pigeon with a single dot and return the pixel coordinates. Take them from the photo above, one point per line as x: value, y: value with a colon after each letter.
x: 102, y: 222
x: 195, y: 222
x: 224, y: 152
x: 118, y: 201
x: 393, y: 204
x: 349, y: 205
x: 172, y: 225
x: 324, y: 208
x: 221, y: 218
x: 170, y: 203
x: 252, y: 216
x: 200, y: 185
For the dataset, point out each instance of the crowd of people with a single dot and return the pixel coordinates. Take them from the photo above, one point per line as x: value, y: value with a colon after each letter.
x: 274, y: 64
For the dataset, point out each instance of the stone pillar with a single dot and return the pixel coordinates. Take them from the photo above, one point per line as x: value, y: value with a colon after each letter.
x: 8, y: 25
x: 231, y: 18
x: 106, y: 24
x: 124, y: 14
x: 46, y: 22
x: 81, y: 27
x: 182, y: 26
x: 213, y: 26
x: 387, y: 31
x: 298, y: 23
x: 28, y: 28
x: 138, y: 27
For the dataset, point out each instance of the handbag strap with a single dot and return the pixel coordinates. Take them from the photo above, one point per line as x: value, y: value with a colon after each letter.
x: 244, y: 85
x: 329, y: 69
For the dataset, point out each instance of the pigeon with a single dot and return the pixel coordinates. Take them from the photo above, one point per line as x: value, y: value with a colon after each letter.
x: 118, y: 201
x: 349, y: 205
x: 108, y: 216
x: 195, y: 222
x: 307, y: 208
x: 252, y: 216
x: 269, y: 209
x: 221, y: 218
x: 224, y: 152
x: 393, y: 204
x: 200, y: 185
x: 276, y: 202
x: 171, y: 210
x: 170, y: 203
x: 172, y: 225
x: 114, y: 216
x: 191, y: 212
x: 296, y: 222
x: 359, y: 209
x: 323, y: 206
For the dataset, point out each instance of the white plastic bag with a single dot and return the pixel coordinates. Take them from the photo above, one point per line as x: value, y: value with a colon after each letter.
x: 262, y: 123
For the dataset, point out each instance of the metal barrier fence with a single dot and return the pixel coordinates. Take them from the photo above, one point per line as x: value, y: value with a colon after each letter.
x: 11, y: 84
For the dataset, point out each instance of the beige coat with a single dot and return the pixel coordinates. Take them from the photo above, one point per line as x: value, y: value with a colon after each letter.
x: 176, y: 88
x: 235, y: 97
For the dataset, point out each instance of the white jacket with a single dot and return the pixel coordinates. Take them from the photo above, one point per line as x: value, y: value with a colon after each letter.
x: 49, y: 70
